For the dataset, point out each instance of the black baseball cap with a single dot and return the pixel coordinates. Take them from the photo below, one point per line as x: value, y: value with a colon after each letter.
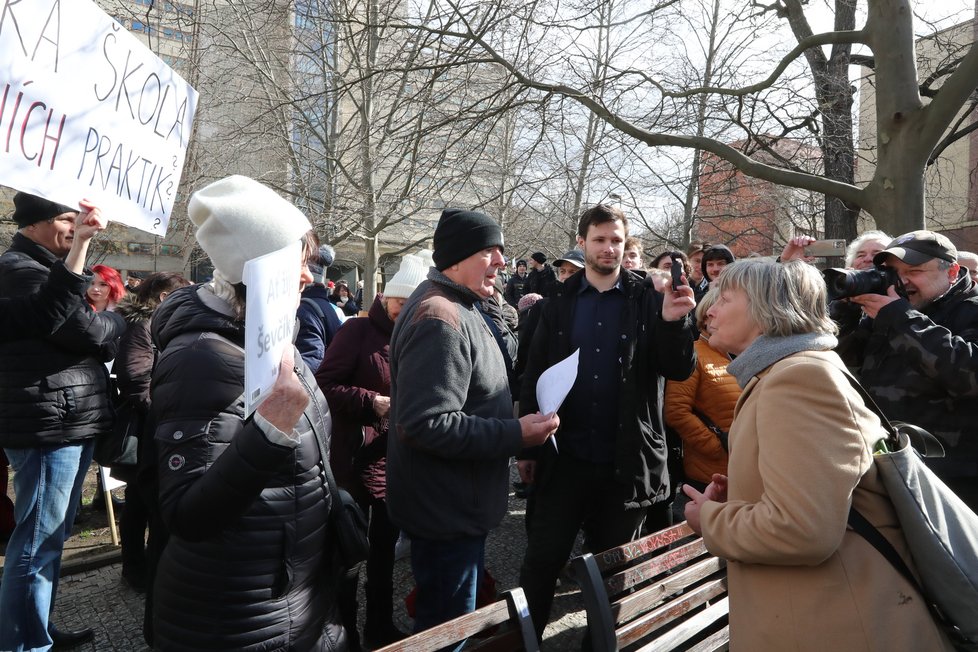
x: 575, y: 257
x: 917, y: 247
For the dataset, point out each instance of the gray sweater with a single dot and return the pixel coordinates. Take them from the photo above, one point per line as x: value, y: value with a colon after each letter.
x: 452, y: 426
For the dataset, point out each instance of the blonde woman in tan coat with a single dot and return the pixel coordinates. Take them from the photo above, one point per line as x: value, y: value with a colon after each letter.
x: 800, y: 454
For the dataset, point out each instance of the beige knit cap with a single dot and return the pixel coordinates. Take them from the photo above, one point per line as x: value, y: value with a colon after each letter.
x: 239, y: 219
x: 407, y: 278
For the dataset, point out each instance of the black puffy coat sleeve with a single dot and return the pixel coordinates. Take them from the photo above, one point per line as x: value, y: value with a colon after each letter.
x: 45, y: 310
x: 212, y: 463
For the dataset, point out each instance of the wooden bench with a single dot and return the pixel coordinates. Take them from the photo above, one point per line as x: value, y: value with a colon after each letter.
x: 506, y: 624
x: 664, y: 591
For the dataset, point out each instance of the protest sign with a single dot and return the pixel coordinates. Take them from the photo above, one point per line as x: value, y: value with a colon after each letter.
x: 273, y: 297
x: 87, y: 111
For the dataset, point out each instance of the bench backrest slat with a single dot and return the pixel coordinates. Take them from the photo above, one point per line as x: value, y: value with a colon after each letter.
x: 677, y: 636
x: 647, y: 570
x: 664, y: 591
x: 615, y: 557
x: 649, y: 597
x: 510, y: 614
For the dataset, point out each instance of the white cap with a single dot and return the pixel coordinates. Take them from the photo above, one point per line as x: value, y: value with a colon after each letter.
x: 239, y: 219
x: 410, y: 274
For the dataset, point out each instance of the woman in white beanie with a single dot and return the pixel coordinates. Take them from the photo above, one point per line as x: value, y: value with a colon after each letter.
x: 356, y: 379
x: 247, y: 564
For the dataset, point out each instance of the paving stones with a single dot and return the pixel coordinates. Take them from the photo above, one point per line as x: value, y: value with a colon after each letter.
x: 99, y: 598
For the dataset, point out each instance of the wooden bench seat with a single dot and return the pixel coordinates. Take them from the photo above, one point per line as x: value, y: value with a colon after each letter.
x: 659, y: 593
x: 506, y: 623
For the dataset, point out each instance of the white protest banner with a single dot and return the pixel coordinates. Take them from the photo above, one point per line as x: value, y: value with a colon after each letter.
x: 87, y: 111
x: 273, y: 297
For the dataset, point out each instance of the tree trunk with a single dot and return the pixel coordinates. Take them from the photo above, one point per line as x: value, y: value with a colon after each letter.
x: 371, y: 259
x: 895, y: 196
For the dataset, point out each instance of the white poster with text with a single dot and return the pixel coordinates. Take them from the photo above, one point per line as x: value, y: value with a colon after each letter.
x: 272, y: 281
x: 87, y: 111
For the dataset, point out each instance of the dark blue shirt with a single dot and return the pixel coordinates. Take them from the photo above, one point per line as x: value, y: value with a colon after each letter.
x: 589, y: 416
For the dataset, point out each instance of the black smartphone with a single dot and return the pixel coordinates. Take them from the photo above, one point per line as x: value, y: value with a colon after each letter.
x: 677, y: 271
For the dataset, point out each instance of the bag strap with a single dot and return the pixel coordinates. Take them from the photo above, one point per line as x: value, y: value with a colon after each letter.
x: 323, y: 453
x: 315, y: 306
x: 712, y: 427
x: 861, y: 525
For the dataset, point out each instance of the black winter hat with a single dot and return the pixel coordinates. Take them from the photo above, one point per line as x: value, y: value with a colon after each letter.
x: 31, y: 209
x: 539, y: 256
x: 461, y: 233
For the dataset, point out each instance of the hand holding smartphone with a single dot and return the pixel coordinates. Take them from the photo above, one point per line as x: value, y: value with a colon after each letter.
x: 677, y: 271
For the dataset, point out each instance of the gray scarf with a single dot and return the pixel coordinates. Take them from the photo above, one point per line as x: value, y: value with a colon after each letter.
x: 765, y: 351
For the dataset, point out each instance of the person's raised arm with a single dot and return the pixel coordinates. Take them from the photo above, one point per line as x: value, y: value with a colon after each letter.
x: 89, y: 222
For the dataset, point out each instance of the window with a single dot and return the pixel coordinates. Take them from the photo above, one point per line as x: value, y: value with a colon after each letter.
x: 170, y: 250
x: 140, y: 248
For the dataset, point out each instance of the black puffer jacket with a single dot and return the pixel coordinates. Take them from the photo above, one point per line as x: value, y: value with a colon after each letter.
x: 247, y: 565
x: 54, y: 389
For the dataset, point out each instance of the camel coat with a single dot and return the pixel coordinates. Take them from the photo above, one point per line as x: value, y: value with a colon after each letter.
x: 799, y: 579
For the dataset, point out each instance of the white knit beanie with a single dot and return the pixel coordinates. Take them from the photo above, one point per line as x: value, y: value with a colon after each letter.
x: 239, y: 219
x: 427, y: 259
x: 408, y: 277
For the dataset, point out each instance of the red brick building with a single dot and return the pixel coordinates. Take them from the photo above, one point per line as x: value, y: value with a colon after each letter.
x: 752, y: 216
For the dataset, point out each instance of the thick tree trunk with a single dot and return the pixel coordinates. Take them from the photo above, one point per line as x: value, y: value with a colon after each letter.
x: 895, y: 196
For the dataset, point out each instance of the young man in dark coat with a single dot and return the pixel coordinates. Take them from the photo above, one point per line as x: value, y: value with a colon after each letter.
x: 516, y: 285
x: 53, y: 401
x: 607, y: 463
x: 452, y: 425
x: 542, y: 279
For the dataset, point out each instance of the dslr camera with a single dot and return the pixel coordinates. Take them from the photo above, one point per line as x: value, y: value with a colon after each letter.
x: 845, y: 283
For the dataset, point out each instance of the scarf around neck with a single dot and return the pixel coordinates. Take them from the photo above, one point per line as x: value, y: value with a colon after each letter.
x: 765, y: 351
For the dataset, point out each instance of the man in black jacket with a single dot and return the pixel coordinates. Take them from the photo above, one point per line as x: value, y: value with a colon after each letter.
x: 53, y: 401
x: 541, y: 280
x: 607, y: 463
x: 516, y: 285
x: 918, y: 355
x: 452, y: 426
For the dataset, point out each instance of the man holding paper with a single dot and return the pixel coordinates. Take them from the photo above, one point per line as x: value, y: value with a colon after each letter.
x: 452, y: 427
x: 608, y: 463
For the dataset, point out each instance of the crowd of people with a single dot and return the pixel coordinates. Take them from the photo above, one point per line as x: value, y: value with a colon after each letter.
x: 693, y: 399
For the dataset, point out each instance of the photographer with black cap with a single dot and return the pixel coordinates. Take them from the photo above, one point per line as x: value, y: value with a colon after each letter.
x: 916, y: 350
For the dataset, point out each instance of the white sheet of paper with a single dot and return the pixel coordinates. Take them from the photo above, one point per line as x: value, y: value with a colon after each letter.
x: 108, y: 481
x: 555, y: 383
x: 273, y: 296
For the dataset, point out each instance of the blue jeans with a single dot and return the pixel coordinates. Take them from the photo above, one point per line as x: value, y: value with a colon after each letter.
x: 48, y: 483
x: 447, y: 574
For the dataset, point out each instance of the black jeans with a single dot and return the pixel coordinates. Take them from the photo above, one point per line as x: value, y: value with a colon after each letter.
x: 379, y: 588
x: 571, y: 495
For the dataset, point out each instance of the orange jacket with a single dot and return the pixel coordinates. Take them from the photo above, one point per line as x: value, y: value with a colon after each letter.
x: 713, y: 392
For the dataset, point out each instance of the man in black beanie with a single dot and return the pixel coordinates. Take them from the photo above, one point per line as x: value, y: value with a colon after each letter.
x: 54, y: 399
x: 451, y: 416
x: 542, y: 279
